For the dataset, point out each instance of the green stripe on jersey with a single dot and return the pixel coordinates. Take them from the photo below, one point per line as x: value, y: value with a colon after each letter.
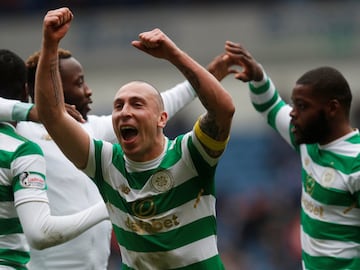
x: 167, y: 241
x: 14, y: 258
x: 265, y: 106
x: 321, y: 262
x: 325, y: 195
x: 5, y: 159
x: 354, y: 139
x: 10, y: 226
x: 164, y: 201
x: 329, y: 231
x: 342, y: 163
x: 271, y: 118
x: 260, y: 90
x: 6, y: 194
x: 205, y: 171
x: 213, y: 263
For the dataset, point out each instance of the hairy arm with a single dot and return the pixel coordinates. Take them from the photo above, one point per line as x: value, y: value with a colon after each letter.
x: 183, y: 93
x: 49, y: 97
x: 216, y: 122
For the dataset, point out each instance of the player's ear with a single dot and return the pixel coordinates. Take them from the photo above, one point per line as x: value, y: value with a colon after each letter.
x: 333, y: 107
x: 163, y: 119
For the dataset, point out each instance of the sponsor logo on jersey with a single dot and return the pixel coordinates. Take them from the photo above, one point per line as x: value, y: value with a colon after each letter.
x: 162, y: 181
x: 152, y: 226
x: 125, y: 189
x: 309, y: 184
x: 328, y: 177
x: 312, y: 208
x: 144, y: 208
x: 31, y: 180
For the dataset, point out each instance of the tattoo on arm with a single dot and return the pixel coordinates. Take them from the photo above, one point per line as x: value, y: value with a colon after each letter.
x: 55, y: 80
x: 209, y: 126
x: 194, y: 81
x: 208, y: 122
x: 190, y: 76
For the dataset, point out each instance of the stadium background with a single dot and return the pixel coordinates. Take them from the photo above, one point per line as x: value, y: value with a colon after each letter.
x: 258, y: 179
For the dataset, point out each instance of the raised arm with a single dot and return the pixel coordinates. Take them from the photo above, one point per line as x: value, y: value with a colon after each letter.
x: 49, y: 98
x: 263, y: 93
x: 216, y: 123
x: 176, y: 98
x: 251, y: 70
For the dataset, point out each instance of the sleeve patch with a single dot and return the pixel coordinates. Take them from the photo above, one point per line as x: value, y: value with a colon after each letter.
x: 31, y: 180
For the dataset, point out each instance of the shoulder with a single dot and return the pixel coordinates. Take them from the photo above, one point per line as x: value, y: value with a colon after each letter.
x: 12, y: 142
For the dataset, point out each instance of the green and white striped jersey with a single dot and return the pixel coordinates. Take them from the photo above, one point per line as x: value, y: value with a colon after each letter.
x: 162, y: 211
x: 330, y: 214
x: 22, y: 179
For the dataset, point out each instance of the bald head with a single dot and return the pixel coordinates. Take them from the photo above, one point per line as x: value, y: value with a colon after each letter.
x: 142, y: 90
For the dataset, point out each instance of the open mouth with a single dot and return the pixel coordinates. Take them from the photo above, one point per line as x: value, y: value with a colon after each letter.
x: 128, y: 133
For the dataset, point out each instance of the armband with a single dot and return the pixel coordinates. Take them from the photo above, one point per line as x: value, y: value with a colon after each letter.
x: 209, y: 142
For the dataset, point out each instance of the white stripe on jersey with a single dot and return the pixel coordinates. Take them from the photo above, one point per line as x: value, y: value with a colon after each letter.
x: 183, y: 213
x: 262, y: 98
x: 36, y: 162
x: 282, y: 123
x: 8, y: 143
x: 324, y: 176
x: 329, y: 213
x: 14, y: 241
x: 329, y: 248
x: 186, y: 255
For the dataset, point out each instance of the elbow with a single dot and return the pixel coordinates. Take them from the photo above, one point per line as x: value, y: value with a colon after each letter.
x: 227, y: 106
x: 229, y: 110
x: 43, y: 241
x: 38, y: 243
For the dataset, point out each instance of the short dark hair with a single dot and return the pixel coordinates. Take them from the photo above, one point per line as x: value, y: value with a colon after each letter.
x: 32, y: 63
x: 12, y: 75
x: 328, y: 83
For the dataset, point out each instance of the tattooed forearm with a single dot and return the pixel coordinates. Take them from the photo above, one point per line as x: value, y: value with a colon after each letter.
x: 190, y: 76
x: 55, y: 80
x: 195, y: 83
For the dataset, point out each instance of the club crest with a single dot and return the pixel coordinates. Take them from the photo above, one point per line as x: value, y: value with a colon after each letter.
x: 162, y: 181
